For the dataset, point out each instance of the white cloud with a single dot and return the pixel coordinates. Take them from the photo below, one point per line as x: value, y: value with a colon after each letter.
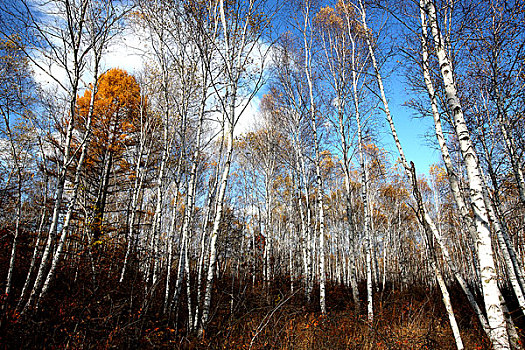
x: 127, y: 51
x: 45, y: 73
x: 248, y: 119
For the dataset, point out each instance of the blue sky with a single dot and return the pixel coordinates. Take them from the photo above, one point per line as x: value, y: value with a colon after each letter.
x: 125, y: 53
x: 411, y: 130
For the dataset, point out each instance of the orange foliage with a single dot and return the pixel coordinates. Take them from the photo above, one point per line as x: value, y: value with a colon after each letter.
x: 116, y: 108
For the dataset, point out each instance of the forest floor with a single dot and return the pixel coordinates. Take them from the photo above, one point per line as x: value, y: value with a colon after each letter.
x: 413, y: 319
x: 96, y: 312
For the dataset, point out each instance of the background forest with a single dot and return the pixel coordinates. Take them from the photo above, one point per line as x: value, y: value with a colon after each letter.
x: 135, y: 214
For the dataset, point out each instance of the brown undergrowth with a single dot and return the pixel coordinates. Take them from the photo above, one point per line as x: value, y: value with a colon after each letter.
x: 412, y: 319
x: 83, y: 311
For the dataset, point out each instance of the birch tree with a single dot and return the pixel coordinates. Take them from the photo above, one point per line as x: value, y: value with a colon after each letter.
x: 243, y: 27
x: 16, y: 100
x: 427, y: 222
x: 307, y: 30
x: 80, y: 35
x: 491, y: 293
x: 334, y: 31
x: 295, y: 124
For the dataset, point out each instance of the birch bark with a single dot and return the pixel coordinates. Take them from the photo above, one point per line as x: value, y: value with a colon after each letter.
x: 313, y: 123
x: 410, y: 172
x: 18, y: 215
x: 137, y: 186
x: 452, y: 177
x: 491, y: 293
x: 241, y: 35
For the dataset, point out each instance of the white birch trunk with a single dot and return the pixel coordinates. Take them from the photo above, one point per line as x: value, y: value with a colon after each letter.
x: 157, y: 217
x: 33, y: 257
x: 38, y: 239
x: 202, y: 254
x: 428, y: 224
x: 505, y: 248
x: 309, y: 274
x: 171, y: 238
x: 336, y: 75
x: 18, y: 214
x: 431, y: 230
x: 56, y: 213
x: 215, y: 231
x: 308, y: 72
x: 98, y: 35
x: 491, y: 294
x: 364, y: 196
x: 137, y: 186
x: 230, y: 119
x: 234, y: 59
x: 188, y: 213
x: 364, y: 190
x: 72, y: 40
x: 452, y: 177
x: 76, y: 184
x: 448, y: 306
x: 304, y: 235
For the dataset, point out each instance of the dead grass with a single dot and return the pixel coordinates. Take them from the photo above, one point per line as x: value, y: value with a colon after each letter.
x: 410, y: 320
x: 80, y: 315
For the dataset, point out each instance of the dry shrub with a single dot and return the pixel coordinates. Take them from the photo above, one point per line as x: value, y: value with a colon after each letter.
x: 413, y: 319
x: 82, y: 314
